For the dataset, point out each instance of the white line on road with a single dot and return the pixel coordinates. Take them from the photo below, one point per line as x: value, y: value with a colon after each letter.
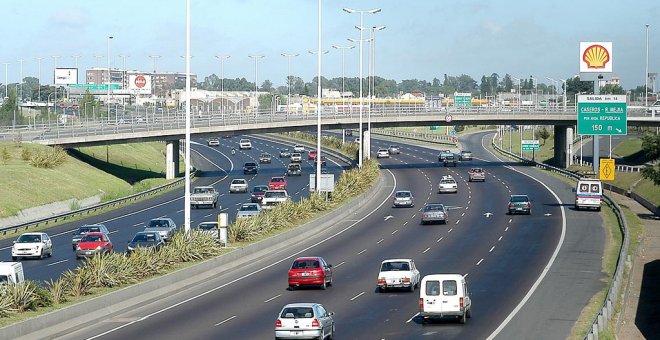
x: 362, y: 251
x: 462, y: 214
x: 137, y: 224
x: 440, y: 239
x: 478, y: 263
x: 273, y: 298
x: 427, y: 249
x: 340, y: 264
x: 180, y: 210
x: 406, y: 222
x: 414, y: 316
x: 511, y: 219
x: 491, y: 249
x: 506, y: 229
x: 58, y: 262
x: 450, y: 229
x: 112, y: 232
x: 357, y: 296
x: 394, y: 232
x: 225, y: 320
x: 457, y: 221
x: 469, y: 202
x: 500, y: 239
x: 381, y: 240
x: 468, y: 207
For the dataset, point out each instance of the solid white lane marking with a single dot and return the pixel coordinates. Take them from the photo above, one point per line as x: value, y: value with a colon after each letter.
x: 58, y: 262
x: 491, y: 249
x: 356, y: 296
x: 362, y: 251
x: 379, y: 241
x: 478, y: 263
x: 223, y: 321
x: 273, y: 298
x: 414, y: 316
x: 427, y: 249
x: 340, y: 264
x: 395, y: 231
x: 440, y: 239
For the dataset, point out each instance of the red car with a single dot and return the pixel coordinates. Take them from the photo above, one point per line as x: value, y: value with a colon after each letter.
x: 310, y: 271
x: 277, y: 183
x: 311, y: 155
x: 93, y: 243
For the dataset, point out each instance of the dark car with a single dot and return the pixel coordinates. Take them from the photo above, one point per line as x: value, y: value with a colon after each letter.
x: 145, y: 239
x: 520, y: 204
x: 250, y: 168
x: 348, y: 133
x: 285, y: 153
x: 450, y: 160
x: 258, y: 193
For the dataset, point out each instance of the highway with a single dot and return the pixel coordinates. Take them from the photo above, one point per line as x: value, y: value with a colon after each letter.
x: 501, y: 255
x: 218, y: 167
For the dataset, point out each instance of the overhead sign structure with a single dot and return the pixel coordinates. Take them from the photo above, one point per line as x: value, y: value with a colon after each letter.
x: 463, y: 100
x: 606, y: 172
x: 139, y: 83
x: 94, y: 87
x: 596, y: 57
x: 530, y: 144
x: 602, y: 115
x: 66, y: 76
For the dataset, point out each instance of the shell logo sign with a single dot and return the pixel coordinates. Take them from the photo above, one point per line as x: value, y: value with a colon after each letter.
x: 596, y: 57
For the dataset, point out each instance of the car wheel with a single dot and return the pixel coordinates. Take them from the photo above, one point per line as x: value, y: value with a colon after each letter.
x: 330, y: 282
x: 292, y: 287
x: 381, y: 290
x: 50, y: 254
x: 74, y: 248
x: 322, y: 336
x: 469, y: 313
x: 14, y: 258
x: 41, y: 254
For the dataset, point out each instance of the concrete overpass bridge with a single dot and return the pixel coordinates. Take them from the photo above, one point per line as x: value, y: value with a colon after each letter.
x: 170, y: 127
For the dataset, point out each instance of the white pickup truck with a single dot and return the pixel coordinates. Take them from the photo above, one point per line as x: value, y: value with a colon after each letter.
x: 204, y: 196
x: 398, y: 273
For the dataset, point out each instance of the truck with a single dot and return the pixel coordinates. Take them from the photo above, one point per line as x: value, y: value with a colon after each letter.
x: 11, y: 274
x: 204, y: 196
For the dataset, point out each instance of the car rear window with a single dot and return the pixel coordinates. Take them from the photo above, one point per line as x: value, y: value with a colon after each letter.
x: 449, y: 287
x: 207, y: 226
x: 432, y: 288
x: 433, y: 208
x: 395, y: 266
x: 89, y: 229
x: 306, y: 264
x: 297, y: 312
x: 403, y: 194
x: 519, y: 199
x: 91, y: 238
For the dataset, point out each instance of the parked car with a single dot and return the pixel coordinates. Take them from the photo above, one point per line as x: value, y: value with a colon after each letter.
x: 403, y: 198
x: 258, y: 193
x: 434, y: 212
x: 238, y: 185
x: 265, y: 158
x: 299, y: 148
x: 249, y: 210
x: 296, y: 157
x: 35, y: 244
x: 164, y: 226
x: 145, y: 239
x: 447, y: 185
x: 245, y: 143
x: 312, y: 155
x: 477, y: 174
x: 87, y: 228
x: 310, y: 271
x: 274, y: 197
x: 382, y: 153
x: 519, y: 204
x: 250, y: 168
x: 304, y: 321
x: 92, y: 244
x: 214, y: 141
x: 394, y: 149
x: 277, y: 183
x: 285, y: 153
x: 465, y: 155
x: 398, y: 273
x: 444, y: 295
x: 294, y: 169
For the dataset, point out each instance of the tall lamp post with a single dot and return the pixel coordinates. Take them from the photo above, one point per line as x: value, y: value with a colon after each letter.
x: 319, y: 53
x: 154, y: 58
x: 288, y: 79
x: 256, y: 79
x: 519, y: 85
x: 107, y: 97
x: 343, y: 76
x: 361, y: 12
x: 372, y: 82
x: 222, y: 59
x: 6, y: 80
x: 646, y: 72
x: 39, y: 78
x: 556, y: 83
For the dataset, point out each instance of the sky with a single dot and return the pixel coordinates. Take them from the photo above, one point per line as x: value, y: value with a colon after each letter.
x: 422, y: 39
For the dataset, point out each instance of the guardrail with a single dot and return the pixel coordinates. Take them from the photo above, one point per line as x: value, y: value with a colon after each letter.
x: 613, y: 292
x: 424, y: 137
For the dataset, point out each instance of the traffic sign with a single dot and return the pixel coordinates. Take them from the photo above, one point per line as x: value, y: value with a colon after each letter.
x: 530, y: 144
x: 448, y: 118
x: 463, y: 100
x: 453, y: 132
x: 602, y: 115
x: 435, y: 127
x: 606, y: 169
x: 95, y: 87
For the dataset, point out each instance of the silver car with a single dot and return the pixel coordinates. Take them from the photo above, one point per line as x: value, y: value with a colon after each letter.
x: 87, y: 228
x: 249, y: 210
x: 305, y: 321
x: 164, y: 226
x: 435, y: 212
x: 238, y: 185
x: 403, y: 198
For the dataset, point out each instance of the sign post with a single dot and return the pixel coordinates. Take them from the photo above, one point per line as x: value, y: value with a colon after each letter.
x: 602, y: 115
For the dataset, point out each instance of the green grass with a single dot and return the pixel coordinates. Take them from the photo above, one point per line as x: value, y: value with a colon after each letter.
x: 630, y: 149
x: 544, y: 154
x: 442, y: 130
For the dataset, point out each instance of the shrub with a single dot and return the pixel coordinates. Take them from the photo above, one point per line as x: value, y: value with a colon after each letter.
x: 57, y: 290
x: 23, y: 296
x: 49, y: 158
x: 4, y: 155
x: 26, y: 154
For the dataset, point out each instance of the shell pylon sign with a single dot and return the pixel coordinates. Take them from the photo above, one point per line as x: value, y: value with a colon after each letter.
x: 596, y: 57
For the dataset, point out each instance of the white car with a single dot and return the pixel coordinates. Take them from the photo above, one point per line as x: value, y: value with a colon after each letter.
x: 296, y: 157
x: 214, y: 141
x: 447, y: 185
x: 299, y: 149
x: 383, y: 153
x: 245, y: 144
x: 304, y: 321
x: 274, y: 197
x: 238, y: 185
x: 32, y: 245
x: 398, y: 273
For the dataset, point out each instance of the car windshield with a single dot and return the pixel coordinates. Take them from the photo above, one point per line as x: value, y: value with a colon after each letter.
x: 259, y: 189
x: 249, y: 207
x: 519, y: 199
x: 29, y: 239
x: 207, y: 226
x: 434, y: 207
x: 297, y: 312
x: 403, y: 194
x: 394, y: 266
x: 158, y: 224
x: 144, y: 238
x: 305, y: 264
x: 92, y: 238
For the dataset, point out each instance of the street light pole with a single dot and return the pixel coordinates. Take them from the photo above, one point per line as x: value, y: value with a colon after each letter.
x: 222, y: 59
x: 6, y: 79
x: 186, y: 208
x: 371, y: 11
x: 39, y: 79
x: 372, y: 82
x: 343, y: 76
x: 256, y: 79
x: 288, y: 79
x: 318, y: 104
x: 20, y: 75
x: 646, y: 73
x: 107, y: 97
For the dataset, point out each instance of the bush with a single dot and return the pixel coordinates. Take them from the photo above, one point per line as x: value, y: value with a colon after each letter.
x: 26, y: 154
x: 49, y: 158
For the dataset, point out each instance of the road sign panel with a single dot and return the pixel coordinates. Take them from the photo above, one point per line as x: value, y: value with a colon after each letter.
x: 607, y: 167
x: 448, y: 118
x: 530, y: 144
x: 435, y: 127
x: 463, y: 100
x: 95, y: 87
x: 602, y: 115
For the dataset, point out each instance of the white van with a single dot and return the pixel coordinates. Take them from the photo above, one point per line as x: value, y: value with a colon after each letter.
x: 588, y: 194
x: 444, y: 295
x: 11, y: 273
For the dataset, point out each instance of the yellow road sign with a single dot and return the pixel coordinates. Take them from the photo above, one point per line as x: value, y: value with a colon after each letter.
x: 606, y: 169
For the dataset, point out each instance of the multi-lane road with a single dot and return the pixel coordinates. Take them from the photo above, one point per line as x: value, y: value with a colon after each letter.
x: 502, y: 256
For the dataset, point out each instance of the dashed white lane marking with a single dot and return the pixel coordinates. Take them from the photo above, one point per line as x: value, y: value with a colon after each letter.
x: 466, y: 274
x: 463, y: 214
x: 356, y: 296
x: 468, y: 207
x: 180, y: 210
x: 440, y: 239
x: 491, y: 249
x: 394, y: 232
x: 112, y: 232
x: 500, y: 239
x: 137, y: 224
x: 457, y: 221
x: 427, y: 249
x: 469, y: 202
x: 450, y: 229
x: 379, y: 241
x: 340, y: 264
x: 413, y: 216
x: 209, y: 215
x: 406, y: 222
x: 511, y: 219
x: 478, y: 263
x: 414, y: 316
x: 506, y: 229
x: 362, y: 251
x: 58, y: 262
x: 225, y: 320
x: 273, y: 298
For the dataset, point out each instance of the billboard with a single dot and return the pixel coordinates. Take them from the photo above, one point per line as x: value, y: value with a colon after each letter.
x: 66, y: 76
x: 139, y: 83
x: 596, y: 57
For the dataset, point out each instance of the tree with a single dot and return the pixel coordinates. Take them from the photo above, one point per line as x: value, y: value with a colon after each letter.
x: 542, y: 134
x: 267, y: 86
x: 612, y: 89
x: 651, y: 147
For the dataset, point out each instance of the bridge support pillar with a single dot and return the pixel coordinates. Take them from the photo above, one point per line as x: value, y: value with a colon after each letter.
x: 563, y: 139
x: 366, y: 144
x: 171, y: 159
